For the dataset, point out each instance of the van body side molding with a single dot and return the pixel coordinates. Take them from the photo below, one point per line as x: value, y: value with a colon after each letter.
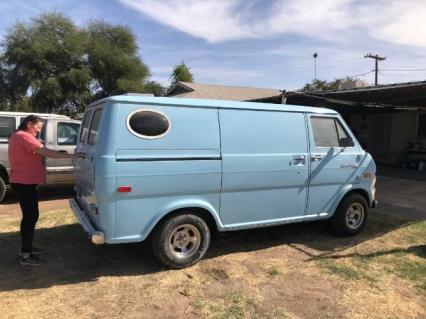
x: 161, y: 159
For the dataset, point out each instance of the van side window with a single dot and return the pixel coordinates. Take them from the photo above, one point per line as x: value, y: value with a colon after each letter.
x: 327, y: 131
x: 85, y: 127
x: 93, y: 133
x: 67, y: 133
x: 148, y: 124
x: 7, y: 126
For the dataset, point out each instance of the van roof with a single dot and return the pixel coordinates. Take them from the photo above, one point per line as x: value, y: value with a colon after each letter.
x: 38, y: 114
x: 212, y: 104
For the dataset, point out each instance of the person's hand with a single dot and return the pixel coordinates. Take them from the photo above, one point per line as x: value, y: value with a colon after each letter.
x: 78, y: 156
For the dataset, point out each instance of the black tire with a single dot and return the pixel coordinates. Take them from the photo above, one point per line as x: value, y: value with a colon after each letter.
x: 352, y: 205
x: 2, y: 189
x: 181, y: 241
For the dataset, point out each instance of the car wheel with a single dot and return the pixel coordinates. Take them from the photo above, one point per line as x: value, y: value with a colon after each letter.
x: 351, y: 215
x: 181, y: 241
x: 2, y: 189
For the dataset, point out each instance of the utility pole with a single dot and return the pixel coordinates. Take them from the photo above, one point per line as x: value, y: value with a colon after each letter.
x: 315, y: 65
x: 377, y: 59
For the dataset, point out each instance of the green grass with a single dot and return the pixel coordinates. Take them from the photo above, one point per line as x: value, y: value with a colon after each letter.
x: 412, y: 270
x: 416, y: 232
x: 344, y: 271
x: 237, y: 306
x: 273, y: 272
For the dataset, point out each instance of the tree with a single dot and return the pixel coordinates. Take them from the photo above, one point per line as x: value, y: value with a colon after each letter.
x: 181, y: 73
x: 45, y: 60
x: 3, y: 90
x: 318, y: 85
x: 50, y: 65
x: 337, y: 84
x: 113, y: 60
x: 154, y: 87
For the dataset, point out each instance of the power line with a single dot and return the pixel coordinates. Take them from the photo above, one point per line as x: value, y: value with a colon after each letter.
x: 403, y: 70
x: 361, y: 74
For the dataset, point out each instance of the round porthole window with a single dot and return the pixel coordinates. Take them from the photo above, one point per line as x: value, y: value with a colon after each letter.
x: 148, y: 124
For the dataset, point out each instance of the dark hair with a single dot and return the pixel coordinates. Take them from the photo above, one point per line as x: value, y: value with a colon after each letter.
x: 33, y: 119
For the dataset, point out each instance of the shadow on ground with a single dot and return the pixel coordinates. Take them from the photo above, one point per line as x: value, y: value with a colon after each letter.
x: 73, y: 259
x: 401, y: 173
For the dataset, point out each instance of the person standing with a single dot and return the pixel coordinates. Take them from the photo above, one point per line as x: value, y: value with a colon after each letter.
x: 28, y: 170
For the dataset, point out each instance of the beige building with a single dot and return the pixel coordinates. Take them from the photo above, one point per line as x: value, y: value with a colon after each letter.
x: 220, y: 92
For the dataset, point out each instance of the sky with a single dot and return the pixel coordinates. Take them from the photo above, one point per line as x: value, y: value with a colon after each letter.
x: 259, y: 43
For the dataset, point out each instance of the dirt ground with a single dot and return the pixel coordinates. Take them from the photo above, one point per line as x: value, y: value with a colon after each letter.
x: 292, y: 271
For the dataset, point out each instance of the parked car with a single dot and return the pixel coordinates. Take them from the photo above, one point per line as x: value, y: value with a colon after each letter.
x: 173, y: 170
x: 59, y: 133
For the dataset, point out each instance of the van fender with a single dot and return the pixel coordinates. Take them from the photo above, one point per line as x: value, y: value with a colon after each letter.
x: 347, y: 189
x: 183, y: 204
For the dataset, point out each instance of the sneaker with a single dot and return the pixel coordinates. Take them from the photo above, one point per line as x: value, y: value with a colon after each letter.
x: 34, y: 251
x: 30, y: 260
x: 37, y: 251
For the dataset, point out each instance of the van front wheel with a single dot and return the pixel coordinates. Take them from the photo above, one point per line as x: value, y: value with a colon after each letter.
x: 181, y: 241
x: 351, y: 215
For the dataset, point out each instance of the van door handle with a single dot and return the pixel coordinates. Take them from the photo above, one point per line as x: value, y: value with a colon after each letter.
x: 298, y: 160
x: 316, y: 157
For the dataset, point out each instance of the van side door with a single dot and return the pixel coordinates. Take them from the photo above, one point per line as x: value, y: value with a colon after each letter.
x: 264, y: 167
x: 332, y: 164
x: 65, y: 140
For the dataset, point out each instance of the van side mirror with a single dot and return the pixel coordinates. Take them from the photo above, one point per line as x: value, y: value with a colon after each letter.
x: 346, y: 142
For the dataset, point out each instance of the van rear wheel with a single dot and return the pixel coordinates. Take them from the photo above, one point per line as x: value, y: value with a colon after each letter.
x: 181, y: 241
x: 351, y: 215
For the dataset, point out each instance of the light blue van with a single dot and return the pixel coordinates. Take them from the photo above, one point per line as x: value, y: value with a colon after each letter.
x: 174, y: 170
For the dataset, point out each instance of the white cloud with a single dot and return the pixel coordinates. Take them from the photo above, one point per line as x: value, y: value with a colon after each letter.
x: 402, y: 22
x: 214, y: 20
x: 393, y: 21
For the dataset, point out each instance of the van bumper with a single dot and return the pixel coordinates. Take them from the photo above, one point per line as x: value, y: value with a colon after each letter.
x: 375, y: 203
x: 97, y: 237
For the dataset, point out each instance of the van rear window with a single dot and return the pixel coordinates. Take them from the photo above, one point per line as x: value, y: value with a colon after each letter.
x: 93, y: 133
x: 85, y: 126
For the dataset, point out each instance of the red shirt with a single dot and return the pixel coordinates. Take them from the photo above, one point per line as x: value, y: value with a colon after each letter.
x: 27, y: 167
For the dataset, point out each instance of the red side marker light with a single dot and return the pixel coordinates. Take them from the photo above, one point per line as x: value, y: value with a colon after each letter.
x: 124, y: 189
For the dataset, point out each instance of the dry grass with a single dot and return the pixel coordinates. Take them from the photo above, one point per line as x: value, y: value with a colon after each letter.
x: 295, y: 271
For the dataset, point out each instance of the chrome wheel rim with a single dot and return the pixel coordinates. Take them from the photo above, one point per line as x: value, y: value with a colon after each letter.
x: 355, y: 215
x: 184, y: 241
